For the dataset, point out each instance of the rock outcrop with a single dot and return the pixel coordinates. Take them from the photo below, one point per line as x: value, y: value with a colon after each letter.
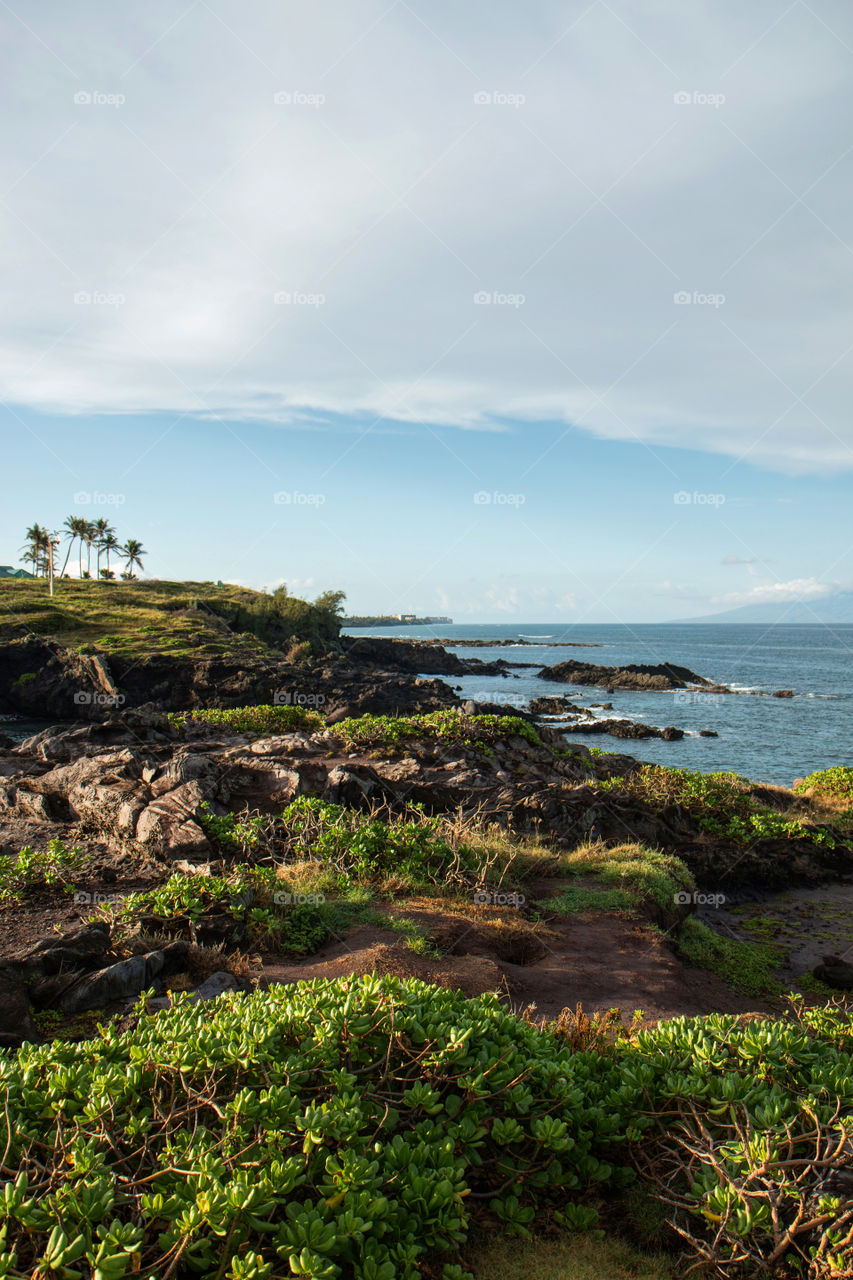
x: 665, y: 675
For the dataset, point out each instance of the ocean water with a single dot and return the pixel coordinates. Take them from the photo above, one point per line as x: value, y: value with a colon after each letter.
x: 768, y: 739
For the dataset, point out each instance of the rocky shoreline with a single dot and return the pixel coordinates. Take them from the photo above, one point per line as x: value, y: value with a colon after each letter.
x: 134, y: 792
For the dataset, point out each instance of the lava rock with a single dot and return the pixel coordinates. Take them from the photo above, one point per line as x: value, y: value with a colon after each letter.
x: 835, y: 972
x: 123, y: 980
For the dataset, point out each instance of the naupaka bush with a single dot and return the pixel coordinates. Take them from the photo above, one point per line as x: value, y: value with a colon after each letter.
x: 334, y: 1128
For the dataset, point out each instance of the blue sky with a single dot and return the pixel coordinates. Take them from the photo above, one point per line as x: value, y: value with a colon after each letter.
x: 379, y: 256
x: 575, y: 529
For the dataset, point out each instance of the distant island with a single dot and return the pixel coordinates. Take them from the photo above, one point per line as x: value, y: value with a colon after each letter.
x: 831, y: 610
x: 392, y: 620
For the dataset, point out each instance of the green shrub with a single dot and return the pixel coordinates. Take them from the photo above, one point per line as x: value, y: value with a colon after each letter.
x: 360, y: 846
x: 341, y: 1129
x: 274, y: 916
x: 835, y: 783
x: 38, y: 868
x: 450, y: 726
x: 723, y: 804
x: 265, y: 721
x: 753, y: 1138
x: 354, y: 845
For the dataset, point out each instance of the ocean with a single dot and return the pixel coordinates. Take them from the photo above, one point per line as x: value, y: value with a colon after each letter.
x: 767, y: 739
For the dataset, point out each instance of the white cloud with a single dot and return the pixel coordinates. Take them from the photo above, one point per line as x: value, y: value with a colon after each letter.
x: 384, y: 209
x: 779, y: 592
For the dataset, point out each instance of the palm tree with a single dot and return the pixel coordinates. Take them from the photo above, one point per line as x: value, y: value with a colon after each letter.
x: 132, y: 553
x: 71, y: 534
x: 36, y: 548
x: 101, y: 528
x: 89, y: 538
x: 109, y: 543
x: 75, y: 527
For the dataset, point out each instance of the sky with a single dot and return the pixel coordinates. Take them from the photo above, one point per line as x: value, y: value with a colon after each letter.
x: 506, y: 313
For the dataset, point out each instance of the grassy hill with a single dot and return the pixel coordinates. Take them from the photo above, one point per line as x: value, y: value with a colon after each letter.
x: 176, y: 618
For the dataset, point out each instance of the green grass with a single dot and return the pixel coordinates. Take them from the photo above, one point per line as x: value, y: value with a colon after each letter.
x: 747, y: 966
x: 139, y: 619
x: 576, y: 1257
x: 412, y: 934
x: 638, y: 870
x: 587, y: 898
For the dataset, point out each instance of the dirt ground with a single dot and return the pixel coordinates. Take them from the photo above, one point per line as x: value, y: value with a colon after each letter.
x: 600, y: 960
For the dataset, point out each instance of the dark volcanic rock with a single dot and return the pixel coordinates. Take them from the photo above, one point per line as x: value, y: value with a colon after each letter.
x: 555, y: 706
x: 419, y: 657
x: 16, y: 1018
x: 82, y: 950
x: 123, y: 980
x: 635, y: 676
x: 43, y: 678
x: 835, y: 972
x: 625, y: 729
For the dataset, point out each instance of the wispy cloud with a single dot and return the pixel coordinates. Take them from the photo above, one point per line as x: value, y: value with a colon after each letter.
x: 779, y: 592
x: 342, y: 210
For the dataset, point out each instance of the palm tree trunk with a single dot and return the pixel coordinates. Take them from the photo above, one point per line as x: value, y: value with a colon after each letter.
x: 67, y: 558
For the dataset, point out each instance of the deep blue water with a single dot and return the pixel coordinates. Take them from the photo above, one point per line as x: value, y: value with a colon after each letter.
x: 768, y: 739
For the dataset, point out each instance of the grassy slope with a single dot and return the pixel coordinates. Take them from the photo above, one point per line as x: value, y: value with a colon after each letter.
x: 152, y: 617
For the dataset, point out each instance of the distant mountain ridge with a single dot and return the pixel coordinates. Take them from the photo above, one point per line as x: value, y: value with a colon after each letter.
x: 829, y: 610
